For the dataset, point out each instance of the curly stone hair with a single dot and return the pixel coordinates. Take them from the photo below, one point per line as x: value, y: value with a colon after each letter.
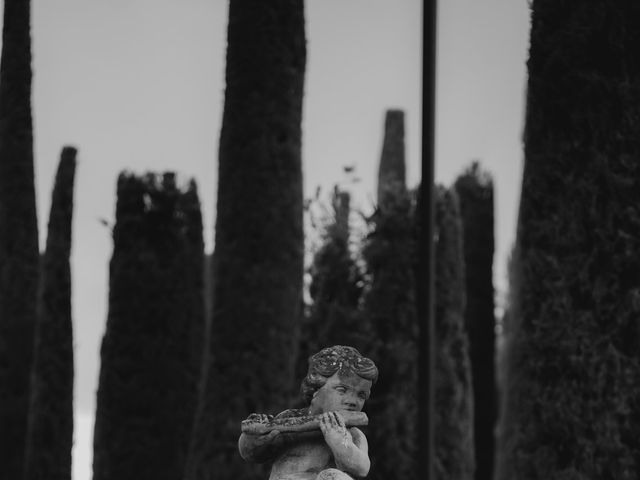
x: 328, y: 361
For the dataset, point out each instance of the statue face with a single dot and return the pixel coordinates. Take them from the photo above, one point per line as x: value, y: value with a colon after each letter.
x: 341, y: 393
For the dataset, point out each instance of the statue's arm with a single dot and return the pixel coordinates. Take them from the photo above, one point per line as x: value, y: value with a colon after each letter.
x: 260, y: 448
x: 352, y: 455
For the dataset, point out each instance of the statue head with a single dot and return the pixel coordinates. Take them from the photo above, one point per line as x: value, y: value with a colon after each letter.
x: 338, y: 359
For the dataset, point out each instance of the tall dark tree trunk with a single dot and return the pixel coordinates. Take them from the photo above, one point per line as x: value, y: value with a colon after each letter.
x: 454, y: 456
x: 475, y: 191
x: 572, y: 403
x: 259, y: 237
x: 50, y: 426
x: 18, y: 236
x: 150, y: 369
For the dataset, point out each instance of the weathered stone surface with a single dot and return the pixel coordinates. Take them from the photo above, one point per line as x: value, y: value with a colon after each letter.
x: 321, y: 441
x: 304, y: 423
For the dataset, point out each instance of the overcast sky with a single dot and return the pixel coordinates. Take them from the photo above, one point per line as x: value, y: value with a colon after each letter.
x: 139, y: 85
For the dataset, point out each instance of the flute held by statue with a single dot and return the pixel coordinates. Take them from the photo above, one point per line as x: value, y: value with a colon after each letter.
x: 305, y: 423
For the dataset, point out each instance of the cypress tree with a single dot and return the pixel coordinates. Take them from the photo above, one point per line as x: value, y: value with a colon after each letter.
x: 392, y: 170
x: 50, y: 426
x: 148, y: 380
x: 198, y: 285
x: 389, y: 304
x: 259, y: 237
x: 202, y: 345
x: 18, y: 236
x: 475, y: 191
x: 505, y: 328
x: 335, y: 290
x: 453, y: 438
x: 572, y: 403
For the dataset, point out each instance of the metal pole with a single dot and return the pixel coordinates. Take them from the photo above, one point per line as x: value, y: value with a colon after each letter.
x: 425, y: 295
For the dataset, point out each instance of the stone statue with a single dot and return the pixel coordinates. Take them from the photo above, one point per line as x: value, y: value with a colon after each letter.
x: 321, y: 442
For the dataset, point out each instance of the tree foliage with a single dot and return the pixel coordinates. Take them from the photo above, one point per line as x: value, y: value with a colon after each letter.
x: 572, y: 403
x: 258, y: 238
x: 392, y: 170
x: 18, y: 236
x: 333, y: 317
x: 389, y: 304
x: 475, y: 191
x: 453, y: 423
x: 389, y: 307
x: 148, y: 378
x: 50, y: 426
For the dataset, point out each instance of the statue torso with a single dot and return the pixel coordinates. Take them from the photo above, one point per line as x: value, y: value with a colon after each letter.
x: 302, y: 461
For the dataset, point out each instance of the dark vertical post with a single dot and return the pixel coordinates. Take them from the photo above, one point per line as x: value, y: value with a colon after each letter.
x: 425, y: 300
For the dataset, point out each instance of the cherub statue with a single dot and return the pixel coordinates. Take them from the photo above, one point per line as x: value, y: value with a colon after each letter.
x: 321, y: 442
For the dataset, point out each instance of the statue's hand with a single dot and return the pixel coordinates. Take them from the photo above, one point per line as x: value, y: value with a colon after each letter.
x: 334, y: 429
x: 272, y: 438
